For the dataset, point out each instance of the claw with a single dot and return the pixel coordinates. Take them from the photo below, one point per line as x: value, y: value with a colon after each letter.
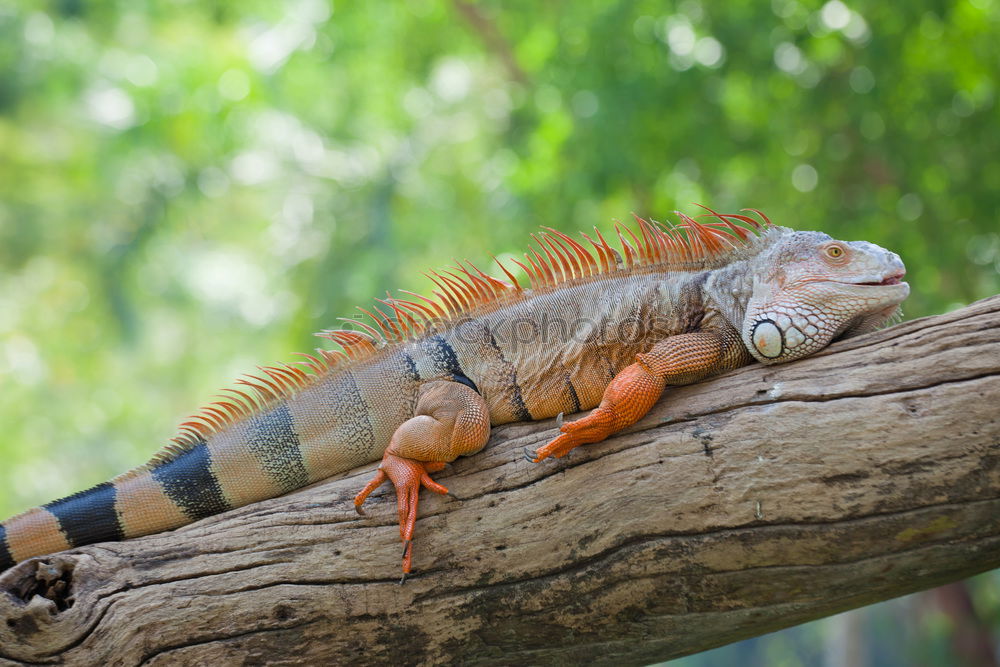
x: 530, y: 455
x: 407, y: 559
x: 357, y: 508
x: 559, y: 420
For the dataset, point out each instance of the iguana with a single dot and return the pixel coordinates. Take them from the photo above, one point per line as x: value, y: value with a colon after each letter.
x: 422, y: 382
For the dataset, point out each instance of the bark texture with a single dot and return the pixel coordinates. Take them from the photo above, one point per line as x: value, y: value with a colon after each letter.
x: 754, y: 501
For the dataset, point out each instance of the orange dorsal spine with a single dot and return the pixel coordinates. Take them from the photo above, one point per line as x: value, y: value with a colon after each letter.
x: 466, y: 291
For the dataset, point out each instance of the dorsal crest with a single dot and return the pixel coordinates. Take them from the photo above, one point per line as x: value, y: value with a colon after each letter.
x: 463, y: 291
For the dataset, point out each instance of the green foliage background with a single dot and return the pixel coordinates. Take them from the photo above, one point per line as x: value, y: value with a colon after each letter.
x: 188, y: 189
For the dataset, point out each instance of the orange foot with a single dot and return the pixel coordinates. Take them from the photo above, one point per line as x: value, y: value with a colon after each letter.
x: 407, y: 476
x: 595, y: 427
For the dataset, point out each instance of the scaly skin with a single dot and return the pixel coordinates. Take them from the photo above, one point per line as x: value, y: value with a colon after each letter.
x: 599, y: 329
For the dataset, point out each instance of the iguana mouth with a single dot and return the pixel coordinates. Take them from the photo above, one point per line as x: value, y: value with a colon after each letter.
x: 894, y: 279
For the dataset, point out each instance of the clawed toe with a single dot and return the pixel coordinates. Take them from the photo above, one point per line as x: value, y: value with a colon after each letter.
x: 407, y: 476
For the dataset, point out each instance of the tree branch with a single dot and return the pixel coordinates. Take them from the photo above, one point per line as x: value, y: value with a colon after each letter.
x: 761, y: 499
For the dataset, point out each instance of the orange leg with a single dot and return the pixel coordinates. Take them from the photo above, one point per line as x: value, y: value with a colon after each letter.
x: 630, y: 395
x: 452, y: 420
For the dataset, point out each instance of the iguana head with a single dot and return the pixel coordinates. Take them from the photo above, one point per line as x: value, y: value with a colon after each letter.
x: 809, y: 289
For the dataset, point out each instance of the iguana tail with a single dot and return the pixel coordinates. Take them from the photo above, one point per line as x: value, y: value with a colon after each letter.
x: 126, y: 507
x: 243, y: 451
x: 255, y: 459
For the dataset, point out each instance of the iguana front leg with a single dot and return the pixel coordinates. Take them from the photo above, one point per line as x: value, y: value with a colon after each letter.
x: 450, y: 420
x: 679, y: 359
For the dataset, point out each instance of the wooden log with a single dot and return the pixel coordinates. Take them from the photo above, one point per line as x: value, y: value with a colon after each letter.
x: 751, y: 502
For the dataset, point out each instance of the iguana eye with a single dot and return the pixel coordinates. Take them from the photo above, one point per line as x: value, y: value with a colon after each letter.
x: 835, y: 252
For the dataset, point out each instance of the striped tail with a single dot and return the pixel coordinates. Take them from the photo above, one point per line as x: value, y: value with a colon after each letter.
x: 159, y: 496
x: 256, y: 458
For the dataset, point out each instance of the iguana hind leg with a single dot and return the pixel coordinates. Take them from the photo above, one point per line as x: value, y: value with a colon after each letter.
x: 630, y: 395
x: 451, y: 420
